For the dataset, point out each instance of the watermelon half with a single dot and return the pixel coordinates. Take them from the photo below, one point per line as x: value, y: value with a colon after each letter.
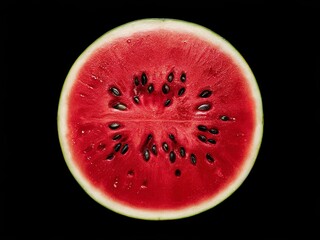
x: 160, y: 119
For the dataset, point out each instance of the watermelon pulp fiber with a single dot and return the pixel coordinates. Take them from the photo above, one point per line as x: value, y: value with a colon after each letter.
x: 160, y: 120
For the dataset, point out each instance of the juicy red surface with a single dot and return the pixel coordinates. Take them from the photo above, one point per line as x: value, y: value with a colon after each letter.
x: 128, y: 178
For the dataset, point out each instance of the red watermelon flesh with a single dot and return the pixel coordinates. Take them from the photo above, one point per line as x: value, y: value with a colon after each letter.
x: 160, y: 121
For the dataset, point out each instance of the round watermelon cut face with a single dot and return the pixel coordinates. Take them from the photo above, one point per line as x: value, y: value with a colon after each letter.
x: 160, y: 119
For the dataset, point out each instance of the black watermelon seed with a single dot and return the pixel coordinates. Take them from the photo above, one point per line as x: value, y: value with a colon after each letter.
x: 116, y: 137
x: 171, y: 136
x: 149, y: 137
x: 120, y: 106
x: 114, y: 126
x: 110, y: 156
x: 182, y: 152
x: 117, y: 147
x: 214, y: 131
x: 209, y: 158
x: 172, y: 157
x: 202, y: 138
x: 204, y: 107
x: 170, y: 77
x: 165, y: 88
x: 167, y: 102
x: 202, y: 128
x: 136, y: 99
x: 136, y: 81
x: 224, y: 118
x: 115, y: 91
x: 205, y: 94
x: 193, y: 159
x: 181, y: 91
x: 165, y: 147
x: 150, y: 88
x: 146, y: 155
x: 154, y: 149
x: 212, y: 141
x: 125, y: 149
x: 183, y: 77
x: 177, y: 172
x: 144, y: 79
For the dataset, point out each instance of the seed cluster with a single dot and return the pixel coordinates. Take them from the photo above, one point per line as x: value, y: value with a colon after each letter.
x: 173, y: 86
x: 166, y: 87
x: 172, y: 152
x: 120, y: 146
x: 140, y: 82
x: 203, y: 138
x: 175, y: 150
x: 149, y: 146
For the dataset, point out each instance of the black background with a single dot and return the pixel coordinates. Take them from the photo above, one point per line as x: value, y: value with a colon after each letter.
x: 41, y: 42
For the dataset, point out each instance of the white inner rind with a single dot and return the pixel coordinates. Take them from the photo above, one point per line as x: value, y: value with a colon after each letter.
x: 125, y: 31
